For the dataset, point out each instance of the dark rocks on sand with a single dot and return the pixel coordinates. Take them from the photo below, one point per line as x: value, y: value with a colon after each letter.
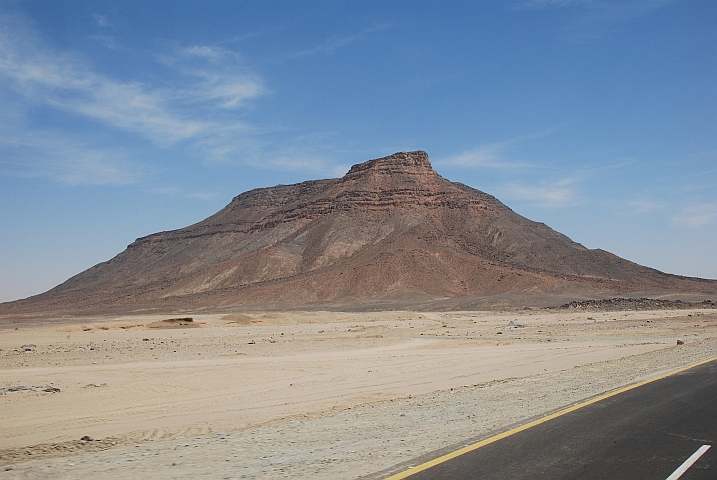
x: 636, y: 304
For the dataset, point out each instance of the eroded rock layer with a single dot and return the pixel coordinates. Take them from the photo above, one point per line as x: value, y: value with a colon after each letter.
x: 391, y: 229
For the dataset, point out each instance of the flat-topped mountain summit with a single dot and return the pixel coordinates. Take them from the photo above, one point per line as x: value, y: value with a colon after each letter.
x: 390, y: 230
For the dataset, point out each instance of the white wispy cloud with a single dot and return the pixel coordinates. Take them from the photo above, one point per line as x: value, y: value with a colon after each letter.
x: 186, y: 110
x: 607, y: 10
x: 208, y: 51
x: 332, y: 44
x: 557, y: 194
x: 328, y: 47
x: 53, y: 155
x: 486, y: 156
x: 108, y: 41
x: 491, y: 155
x: 198, y: 110
x: 222, y: 90
x: 185, y: 192
x: 293, y: 163
x: 64, y: 81
x: 205, y: 196
x: 542, y: 4
x: 593, y: 19
x: 101, y: 20
x: 699, y: 215
x: 644, y: 206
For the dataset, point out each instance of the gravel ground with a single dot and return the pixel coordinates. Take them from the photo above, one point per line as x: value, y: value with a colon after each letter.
x: 368, y: 440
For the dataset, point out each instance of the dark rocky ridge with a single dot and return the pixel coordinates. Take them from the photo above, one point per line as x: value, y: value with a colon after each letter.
x: 391, y: 230
x: 621, y: 304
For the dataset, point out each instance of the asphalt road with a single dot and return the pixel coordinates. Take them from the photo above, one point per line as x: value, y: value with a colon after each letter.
x: 643, y: 433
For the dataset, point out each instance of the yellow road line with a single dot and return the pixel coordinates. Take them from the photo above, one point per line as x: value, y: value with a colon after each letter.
x: 495, y: 438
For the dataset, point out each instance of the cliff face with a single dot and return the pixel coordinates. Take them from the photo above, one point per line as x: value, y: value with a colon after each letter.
x: 391, y: 228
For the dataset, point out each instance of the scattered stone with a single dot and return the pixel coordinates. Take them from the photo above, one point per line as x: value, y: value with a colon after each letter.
x: 18, y: 388
x: 86, y: 438
x: 184, y: 322
x: 29, y: 347
x: 515, y: 324
x: 680, y: 342
x: 636, y: 304
x: 34, y: 388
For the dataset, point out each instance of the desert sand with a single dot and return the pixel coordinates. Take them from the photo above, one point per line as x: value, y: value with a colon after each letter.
x: 297, y: 394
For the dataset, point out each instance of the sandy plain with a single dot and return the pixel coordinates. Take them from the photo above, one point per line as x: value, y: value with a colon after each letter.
x: 308, y: 394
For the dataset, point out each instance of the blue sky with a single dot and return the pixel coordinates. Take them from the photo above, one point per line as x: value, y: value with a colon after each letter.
x: 120, y: 119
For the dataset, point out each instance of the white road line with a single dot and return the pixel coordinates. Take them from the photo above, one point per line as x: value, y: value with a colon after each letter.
x: 688, y: 463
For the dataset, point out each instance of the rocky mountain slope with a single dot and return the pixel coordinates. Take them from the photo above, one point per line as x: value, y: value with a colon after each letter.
x: 390, y: 230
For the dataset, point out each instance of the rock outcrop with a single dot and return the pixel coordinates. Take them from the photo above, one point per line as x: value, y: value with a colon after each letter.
x: 390, y: 230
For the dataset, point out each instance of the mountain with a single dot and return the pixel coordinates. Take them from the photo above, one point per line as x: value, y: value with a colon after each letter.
x: 390, y: 231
